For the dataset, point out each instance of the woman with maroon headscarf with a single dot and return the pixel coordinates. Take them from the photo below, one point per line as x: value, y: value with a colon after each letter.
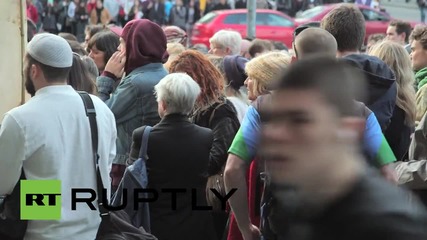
x: 141, y: 55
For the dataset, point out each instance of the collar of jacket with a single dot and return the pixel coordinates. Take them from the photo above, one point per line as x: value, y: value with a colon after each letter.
x: 147, y: 68
x: 175, y: 117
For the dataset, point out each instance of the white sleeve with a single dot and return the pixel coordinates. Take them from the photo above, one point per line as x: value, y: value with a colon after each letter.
x: 113, y: 141
x: 12, y: 153
x: 112, y: 153
x: 71, y: 10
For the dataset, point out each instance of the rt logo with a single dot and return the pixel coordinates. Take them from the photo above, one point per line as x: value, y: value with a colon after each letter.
x: 40, y: 199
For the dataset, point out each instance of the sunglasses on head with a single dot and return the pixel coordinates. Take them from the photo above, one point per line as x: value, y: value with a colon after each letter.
x: 298, y: 30
x: 301, y: 28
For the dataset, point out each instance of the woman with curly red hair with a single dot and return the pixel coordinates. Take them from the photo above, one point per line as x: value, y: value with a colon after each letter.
x: 212, y: 110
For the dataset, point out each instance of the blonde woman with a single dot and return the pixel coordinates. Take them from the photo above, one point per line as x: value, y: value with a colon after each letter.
x: 173, y: 49
x: 261, y: 71
x: 403, y: 120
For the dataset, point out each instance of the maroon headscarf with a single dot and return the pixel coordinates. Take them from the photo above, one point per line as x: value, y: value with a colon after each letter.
x: 145, y: 43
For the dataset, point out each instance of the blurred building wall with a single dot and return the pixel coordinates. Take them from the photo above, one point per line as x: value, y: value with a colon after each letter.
x: 13, y: 36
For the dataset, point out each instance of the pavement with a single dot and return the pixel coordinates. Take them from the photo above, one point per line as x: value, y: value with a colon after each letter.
x: 400, y: 4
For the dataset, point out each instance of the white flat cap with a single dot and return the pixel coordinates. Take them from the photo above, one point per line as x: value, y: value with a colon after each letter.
x: 51, y: 50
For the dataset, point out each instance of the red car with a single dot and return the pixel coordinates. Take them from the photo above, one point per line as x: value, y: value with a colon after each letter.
x: 376, y: 21
x: 270, y: 25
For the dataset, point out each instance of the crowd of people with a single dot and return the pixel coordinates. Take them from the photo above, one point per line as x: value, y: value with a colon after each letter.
x: 321, y: 140
x: 72, y: 16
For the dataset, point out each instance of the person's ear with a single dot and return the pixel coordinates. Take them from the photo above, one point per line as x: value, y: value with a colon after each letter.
x: 35, y: 71
x: 163, y: 105
x: 293, y: 59
x: 352, y: 128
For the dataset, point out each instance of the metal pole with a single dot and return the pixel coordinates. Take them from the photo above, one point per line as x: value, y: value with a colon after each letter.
x: 251, y: 28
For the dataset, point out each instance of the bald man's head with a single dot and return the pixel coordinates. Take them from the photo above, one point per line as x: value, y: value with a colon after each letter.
x: 315, y: 41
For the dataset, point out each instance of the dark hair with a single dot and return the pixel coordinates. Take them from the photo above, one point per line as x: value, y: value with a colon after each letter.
x: 376, y: 37
x: 79, y: 77
x: 77, y: 48
x: 280, y: 46
x: 347, y: 24
x: 51, y: 74
x: 402, y: 27
x: 338, y: 82
x: 67, y: 36
x: 420, y: 34
x: 94, y: 29
x: 91, y: 30
x: 105, y: 41
x: 259, y: 46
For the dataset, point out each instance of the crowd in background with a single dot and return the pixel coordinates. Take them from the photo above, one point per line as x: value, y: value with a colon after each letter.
x: 72, y: 16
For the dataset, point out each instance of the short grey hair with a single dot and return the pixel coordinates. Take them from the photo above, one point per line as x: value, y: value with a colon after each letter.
x: 228, y: 39
x: 178, y: 91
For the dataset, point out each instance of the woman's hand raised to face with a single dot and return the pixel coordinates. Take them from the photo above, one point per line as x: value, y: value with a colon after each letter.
x: 116, y: 64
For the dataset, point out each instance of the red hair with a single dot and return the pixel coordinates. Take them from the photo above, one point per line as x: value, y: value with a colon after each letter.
x: 198, y: 66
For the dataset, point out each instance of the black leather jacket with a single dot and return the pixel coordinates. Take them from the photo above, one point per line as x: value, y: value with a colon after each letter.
x: 222, y: 119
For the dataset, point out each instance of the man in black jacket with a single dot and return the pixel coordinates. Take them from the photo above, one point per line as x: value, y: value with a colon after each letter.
x: 155, y: 12
x: 350, y: 35
x: 310, y: 142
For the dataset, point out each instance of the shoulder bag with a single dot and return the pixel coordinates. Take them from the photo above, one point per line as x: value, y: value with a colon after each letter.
x: 115, y: 225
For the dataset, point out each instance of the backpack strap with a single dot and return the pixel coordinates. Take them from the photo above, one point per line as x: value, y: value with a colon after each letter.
x: 144, y: 143
x: 91, y: 113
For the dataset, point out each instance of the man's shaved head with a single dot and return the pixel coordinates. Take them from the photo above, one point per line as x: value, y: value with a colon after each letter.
x: 315, y: 41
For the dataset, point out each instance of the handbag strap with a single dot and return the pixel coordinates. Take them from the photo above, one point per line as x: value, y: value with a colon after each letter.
x: 91, y: 114
x: 144, y: 143
x: 213, y: 112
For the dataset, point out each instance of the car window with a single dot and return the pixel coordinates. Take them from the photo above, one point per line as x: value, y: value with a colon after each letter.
x: 241, y: 18
x: 237, y: 18
x: 311, y: 12
x: 208, y: 18
x: 373, y: 15
x: 278, y: 21
x: 262, y: 19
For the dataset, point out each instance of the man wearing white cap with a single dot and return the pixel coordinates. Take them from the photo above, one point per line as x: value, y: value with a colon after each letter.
x: 49, y: 138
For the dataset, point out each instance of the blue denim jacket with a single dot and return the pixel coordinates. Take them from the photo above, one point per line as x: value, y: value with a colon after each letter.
x: 133, y: 103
